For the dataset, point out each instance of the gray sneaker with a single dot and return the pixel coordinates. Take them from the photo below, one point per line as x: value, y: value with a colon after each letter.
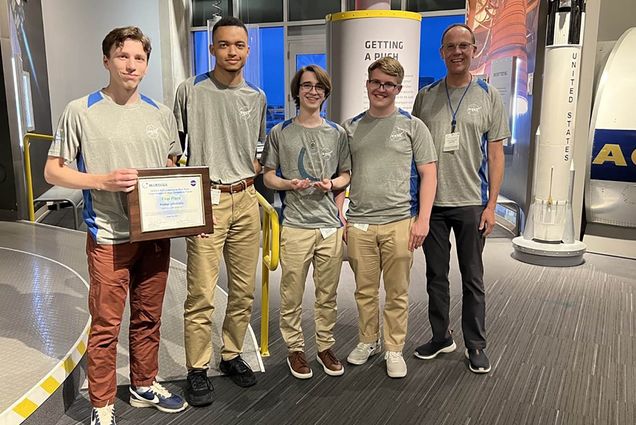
x: 395, y: 364
x: 363, y: 351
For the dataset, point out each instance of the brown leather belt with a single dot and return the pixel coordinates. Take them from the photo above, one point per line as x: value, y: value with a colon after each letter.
x: 234, y: 187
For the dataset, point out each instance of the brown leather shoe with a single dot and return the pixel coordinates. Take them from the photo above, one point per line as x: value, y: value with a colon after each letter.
x: 330, y: 363
x: 298, y: 365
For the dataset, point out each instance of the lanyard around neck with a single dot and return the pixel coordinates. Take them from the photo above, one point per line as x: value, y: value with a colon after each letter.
x: 450, y: 105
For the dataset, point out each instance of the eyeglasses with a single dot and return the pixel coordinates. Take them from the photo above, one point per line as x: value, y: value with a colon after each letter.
x: 450, y: 47
x: 306, y: 87
x: 388, y: 86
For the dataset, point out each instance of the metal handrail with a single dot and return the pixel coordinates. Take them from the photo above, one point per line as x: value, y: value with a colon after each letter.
x: 26, y: 143
x: 271, y: 248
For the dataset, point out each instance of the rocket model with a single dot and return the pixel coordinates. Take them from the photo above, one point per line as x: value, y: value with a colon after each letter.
x: 548, y: 237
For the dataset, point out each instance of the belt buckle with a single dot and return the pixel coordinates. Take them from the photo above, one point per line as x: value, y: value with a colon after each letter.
x: 242, y: 185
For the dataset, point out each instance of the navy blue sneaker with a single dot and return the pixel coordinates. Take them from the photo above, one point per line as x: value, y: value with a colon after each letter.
x: 158, y: 397
x: 431, y: 349
x: 103, y: 415
x: 240, y: 372
x: 477, y: 360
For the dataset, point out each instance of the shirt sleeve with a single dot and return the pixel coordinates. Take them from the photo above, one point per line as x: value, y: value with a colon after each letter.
x: 498, y: 128
x: 263, y: 130
x: 66, y: 143
x: 180, y: 108
x: 422, y: 141
x: 270, y: 157
x: 175, y: 144
x: 417, y: 105
x: 344, y: 155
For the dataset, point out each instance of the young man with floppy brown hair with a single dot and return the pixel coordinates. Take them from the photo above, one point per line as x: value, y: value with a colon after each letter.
x: 306, y: 159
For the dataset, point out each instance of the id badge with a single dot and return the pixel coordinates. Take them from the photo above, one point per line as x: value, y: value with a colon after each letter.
x: 451, y: 142
x: 215, y: 196
x: 328, y: 231
x: 363, y: 227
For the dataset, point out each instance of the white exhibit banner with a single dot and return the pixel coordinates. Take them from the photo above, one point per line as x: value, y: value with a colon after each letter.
x: 354, y: 41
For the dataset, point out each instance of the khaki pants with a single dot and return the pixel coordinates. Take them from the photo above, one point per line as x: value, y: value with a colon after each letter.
x: 382, y: 249
x: 236, y: 237
x: 138, y: 270
x: 299, y: 249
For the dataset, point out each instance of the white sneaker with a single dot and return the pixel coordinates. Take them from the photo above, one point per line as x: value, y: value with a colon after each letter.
x: 395, y: 364
x: 363, y: 351
x: 103, y: 415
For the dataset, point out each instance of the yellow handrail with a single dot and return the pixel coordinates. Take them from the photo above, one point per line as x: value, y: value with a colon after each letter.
x: 271, y: 246
x: 27, y: 168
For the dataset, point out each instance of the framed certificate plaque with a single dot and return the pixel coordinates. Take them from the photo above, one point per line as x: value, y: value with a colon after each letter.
x: 170, y: 202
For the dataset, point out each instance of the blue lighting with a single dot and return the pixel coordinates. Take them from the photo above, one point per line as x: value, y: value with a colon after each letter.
x: 432, y: 66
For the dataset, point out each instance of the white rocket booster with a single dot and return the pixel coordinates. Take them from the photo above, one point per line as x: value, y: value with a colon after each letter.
x: 550, y: 220
x: 549, y: 211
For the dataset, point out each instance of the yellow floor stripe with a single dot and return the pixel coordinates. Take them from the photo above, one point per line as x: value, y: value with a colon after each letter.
x: 50, y: 385
x: 69, y: 365
x: 81, y: 348
x: 25, y: 408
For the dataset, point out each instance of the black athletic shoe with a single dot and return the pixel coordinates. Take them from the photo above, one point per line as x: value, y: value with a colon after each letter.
x: 239, y: 371
x: 199, y: 389
x: 477, y: 360
x: 431, y: 349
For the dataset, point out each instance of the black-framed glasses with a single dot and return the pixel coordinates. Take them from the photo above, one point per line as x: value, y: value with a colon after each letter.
x: 307, y: 87
x: 450, y: 47
x: 388, y: 86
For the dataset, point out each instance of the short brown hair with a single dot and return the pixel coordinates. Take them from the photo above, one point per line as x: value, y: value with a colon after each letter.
x: 117, y: 37
x: 389, y: 66
x: 321, y: 76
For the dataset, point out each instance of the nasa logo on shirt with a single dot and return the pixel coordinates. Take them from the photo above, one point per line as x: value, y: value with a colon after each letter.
x: 473, y: 109
x: 245, y: 112
x: 397, y: 135
x: 152, y: 131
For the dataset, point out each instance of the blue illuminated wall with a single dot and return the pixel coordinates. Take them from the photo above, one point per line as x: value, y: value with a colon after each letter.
x: 431, y: 64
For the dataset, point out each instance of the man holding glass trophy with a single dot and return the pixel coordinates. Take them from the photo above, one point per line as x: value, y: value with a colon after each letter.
x: 307, y: 158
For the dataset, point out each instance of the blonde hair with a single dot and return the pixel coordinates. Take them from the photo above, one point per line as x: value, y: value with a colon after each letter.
x: 389, y: 66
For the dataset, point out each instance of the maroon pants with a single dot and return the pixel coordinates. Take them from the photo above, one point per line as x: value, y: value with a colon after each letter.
x: 115, y: 270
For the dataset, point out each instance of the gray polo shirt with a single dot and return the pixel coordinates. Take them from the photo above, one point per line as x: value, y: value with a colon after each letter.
x: 297, y: 152
x: 462, y: 175
x: 384, y: 178
x: 104, y: 136
x: 223, y: 124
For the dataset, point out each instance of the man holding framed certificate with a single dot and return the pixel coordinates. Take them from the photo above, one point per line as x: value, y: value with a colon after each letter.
x: 223, y: 118
x: 111, y: 133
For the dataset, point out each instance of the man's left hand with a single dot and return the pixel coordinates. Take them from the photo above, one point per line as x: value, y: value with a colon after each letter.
x: 419, y: 230
x: 487, y: 222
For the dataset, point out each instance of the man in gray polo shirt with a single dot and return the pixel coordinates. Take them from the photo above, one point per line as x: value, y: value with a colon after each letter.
x: 111, y: 133
x: 468, y: 124
x: 393, y: 181
x: 312, y: 157
x: 223, y: 117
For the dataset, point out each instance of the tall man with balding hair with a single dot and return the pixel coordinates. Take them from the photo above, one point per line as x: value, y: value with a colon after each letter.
x: 468, y: 123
